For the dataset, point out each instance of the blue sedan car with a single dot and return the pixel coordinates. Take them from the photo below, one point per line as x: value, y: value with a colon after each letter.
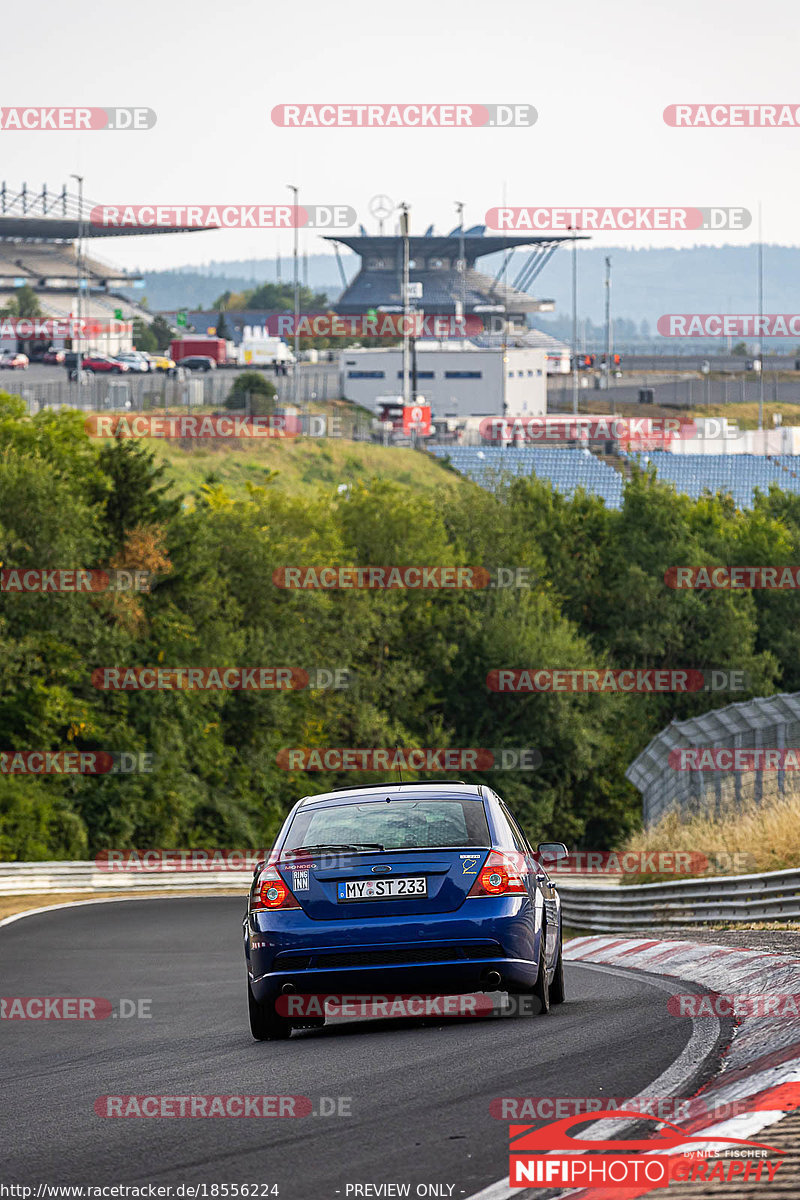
x: 423, y: 888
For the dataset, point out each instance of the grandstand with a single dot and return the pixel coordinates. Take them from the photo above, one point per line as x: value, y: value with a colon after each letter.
x: 39, y: 235
x: 741, y: 475
x: 565, y: 469
x: 568, y: 469
x: 434, y: 269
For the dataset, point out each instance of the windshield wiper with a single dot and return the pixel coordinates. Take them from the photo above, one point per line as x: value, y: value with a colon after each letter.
x: 322, y: 846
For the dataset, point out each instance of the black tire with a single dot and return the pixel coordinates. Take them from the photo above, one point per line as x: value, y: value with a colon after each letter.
x: 557, y: 994
x: 265, y: 1024
x: 541, y: 988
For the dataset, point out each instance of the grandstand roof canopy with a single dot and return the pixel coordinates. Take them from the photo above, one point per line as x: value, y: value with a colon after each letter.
x: 447, y: 245
x: 434, y: 263
x: 56, y: 216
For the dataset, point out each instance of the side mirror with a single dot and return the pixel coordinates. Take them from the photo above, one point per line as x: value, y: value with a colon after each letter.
x: 549, y: 853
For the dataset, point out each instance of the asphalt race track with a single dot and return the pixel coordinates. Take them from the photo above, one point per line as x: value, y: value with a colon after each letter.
x: 420, y: 1090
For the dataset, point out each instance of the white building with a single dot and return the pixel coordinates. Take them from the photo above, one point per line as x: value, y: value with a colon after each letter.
x: 457, y: 379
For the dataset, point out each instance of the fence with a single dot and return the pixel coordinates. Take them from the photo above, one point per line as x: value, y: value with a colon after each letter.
x: 737, y: 899
x: 678, y: 392
x: 769, y: 723
x: 158, y: 390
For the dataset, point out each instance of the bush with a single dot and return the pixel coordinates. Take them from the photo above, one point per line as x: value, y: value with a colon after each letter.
x: 261, y: 392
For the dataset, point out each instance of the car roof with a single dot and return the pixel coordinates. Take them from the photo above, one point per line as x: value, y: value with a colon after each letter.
x: 373, y: 793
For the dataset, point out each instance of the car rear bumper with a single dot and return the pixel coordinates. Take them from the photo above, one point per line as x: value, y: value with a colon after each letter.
x: 442, y: 954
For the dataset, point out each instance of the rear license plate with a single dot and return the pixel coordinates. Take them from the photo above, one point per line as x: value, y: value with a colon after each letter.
x: 382, y: 889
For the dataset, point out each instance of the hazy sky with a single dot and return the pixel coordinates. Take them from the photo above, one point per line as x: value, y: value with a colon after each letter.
x: 599, y: 74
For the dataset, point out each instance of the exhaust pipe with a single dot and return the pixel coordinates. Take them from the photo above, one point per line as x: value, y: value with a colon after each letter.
x: 288, y: 989
x: 493, y: 980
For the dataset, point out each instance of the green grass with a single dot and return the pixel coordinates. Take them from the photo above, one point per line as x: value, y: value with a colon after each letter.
x: 299, y: 467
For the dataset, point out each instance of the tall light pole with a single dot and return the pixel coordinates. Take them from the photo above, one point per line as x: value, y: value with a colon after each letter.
x: 404, y: 230
x: 760, y: 323
x: 295, y: 376
x: 575, y: 321
x: 79, y: 267
x: 608, y: 323
x: 462, y: 265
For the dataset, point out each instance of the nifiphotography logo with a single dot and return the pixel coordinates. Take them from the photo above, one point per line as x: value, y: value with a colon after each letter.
x: 553, y: 1157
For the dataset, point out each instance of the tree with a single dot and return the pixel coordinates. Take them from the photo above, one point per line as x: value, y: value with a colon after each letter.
x: 143, y: 336
x: 24, y: 303
x: 138, y: 495
x: 163, y: 333
x: 222, y: 325
x: 262, y: 393
x: 740, y: 350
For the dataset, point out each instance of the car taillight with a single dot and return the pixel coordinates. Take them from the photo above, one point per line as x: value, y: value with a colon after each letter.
x: 270, y: 892
x: 503, y: 874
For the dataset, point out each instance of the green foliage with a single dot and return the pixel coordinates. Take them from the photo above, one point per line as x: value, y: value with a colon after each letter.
x: 418, y: 660
x: 163, y: 333
x: 260, y: 390
x: 24, y: 303
x: 143, y: 337
x: 274, y: 297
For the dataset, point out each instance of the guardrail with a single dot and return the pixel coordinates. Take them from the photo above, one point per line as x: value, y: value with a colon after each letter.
x: 772, y: 896
x: 50, y: 878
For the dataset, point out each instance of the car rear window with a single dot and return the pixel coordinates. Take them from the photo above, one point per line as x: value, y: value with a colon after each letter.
x: 396, y: 825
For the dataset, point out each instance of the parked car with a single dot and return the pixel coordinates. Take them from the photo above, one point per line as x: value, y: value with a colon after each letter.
x: 198, y: 362
x: 10, y: 360
x: 53, y: 358
x: 396, y: 889
x: 134, y: 360
x: 103, y: 364
x: 160, y: 362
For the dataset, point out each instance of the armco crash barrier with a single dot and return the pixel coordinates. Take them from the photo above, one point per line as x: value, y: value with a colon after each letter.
x: 771, y: 896
x: 606, y: 907
x: 50, y: 878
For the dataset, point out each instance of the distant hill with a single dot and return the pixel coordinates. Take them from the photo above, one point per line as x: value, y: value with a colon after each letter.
x: 645, y: 283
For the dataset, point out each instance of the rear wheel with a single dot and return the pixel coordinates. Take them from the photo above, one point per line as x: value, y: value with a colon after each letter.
x: 557, y: 995
x: 541, y: 988
x: 265, y: 1024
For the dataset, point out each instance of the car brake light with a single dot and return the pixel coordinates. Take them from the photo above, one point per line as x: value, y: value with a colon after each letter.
x: 270, y: 892
x: 503, y: 874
